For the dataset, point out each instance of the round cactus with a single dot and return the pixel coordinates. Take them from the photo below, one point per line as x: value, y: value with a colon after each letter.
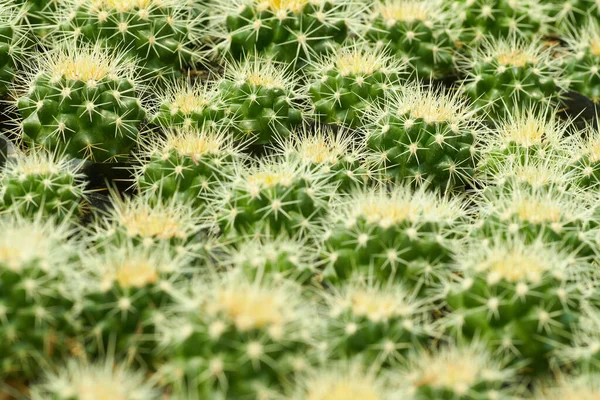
x: 350, y: 81
x: 522, y: 298
x: 187, y: 163
x: 238, y: 338
x: 425, y: 136
x: 458, y: 371
x: 81, y: 101
x: 574, y: 12
x: 337, y: 153
x: 418, y: 32
x: 402, y: 235
x: 262, y: 99
x: 377, y: 322
x: 293, y: 31
x: 159, y: 34
x: 35, y: 297
x: 507, y: 74
x: 582, y: 63
x: 12, y: 43
x: 79, y: 380
x: 41, y: 183
x: 585, y: 158
x: 272, y: 194
x: 570, y: 388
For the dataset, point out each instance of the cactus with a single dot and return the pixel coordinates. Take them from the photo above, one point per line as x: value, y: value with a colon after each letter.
x: 585, y: 158
x: 459, y: 371
x: 233, y: 337
x: 124, y: 288
x: 160, y: 34
x: 582, y: 63
x: 417, y: 31
x: 425, y: 136
x: 570, y: 388
x: 349, y: 81
x: 41, y: 183
x: 337, y: 153
x: 378, y: 322
x: 403, y: 235
x: 292, y: 31
x: 186, y: 163
x: 262, y: 99
x: 520, y: 298
x: 35, y: 297
x: 12, y: 43
x: 79, y: 380
x: 481, y: 19
x: 81, y: 101
x: 582, y: 354
x: 272, y: 194
x: 574, y: 12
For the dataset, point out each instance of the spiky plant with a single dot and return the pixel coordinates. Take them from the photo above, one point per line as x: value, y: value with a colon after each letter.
x: 346, y: 380
x: 582, y: 354
x: 482, y: 19
x: 80, y: 380
x: 583, y: 61
x: 42, y: 183
x: 520, y: 298
x: 293, y: 31
x: 187, y: 162
x: 274, y: 195
x: 417, y: 31
x: 507, y: 74
x: 81, y: 101
x: 190, y: 104
x: 574, y: 12
x: 465, y: 371
x: 160, y: 34
x: 35, y: 14
x: 235, y: 337
x: 35, y: 297
x: 336, y: 152
x: 13, y: 37
x: 400, y: 235
x: 585, y: 157
x: 149, y: 220
x: 570, y: 388
x: 123, y: 290
x: 262, y: 98
x: 424, y: 135
x: 351, y: 80
x: 379, y: 322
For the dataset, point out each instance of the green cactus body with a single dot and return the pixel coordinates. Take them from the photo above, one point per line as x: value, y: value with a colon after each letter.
x: 481, y: 19
x: 582, y: 63
x: 574, y: 12
x: 337, y: 154
x: 187, y: 163
x: 347, y: 83
x: 40, y: 183
x: 255, y: 335
x: 261, y: 98
x: 35, y: 300
x: 36, y: 14
x: 292, y: 31
x: 124, y: 289
x: 584, y: 386
x: 12, y: 37
x: 273, y: 195
x: 378, y: 323
x: 521, y: 298
x: 509, y: 74
x: 79, y: 380
x: 159, y: 34
x: 403, y: 235
x: 82, y: 102
x: 416, y: 31
x: 583, y: 353
x: 585, y: 162
x: 425, y: 136
x: 460, y: 372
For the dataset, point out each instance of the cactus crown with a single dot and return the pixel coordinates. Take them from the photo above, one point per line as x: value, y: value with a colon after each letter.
x: 358, y: 59
x: 188, y: 98
x: 393, y: 11
x: 256, y: 71
x: 530, y: 127
x: 584, y: 387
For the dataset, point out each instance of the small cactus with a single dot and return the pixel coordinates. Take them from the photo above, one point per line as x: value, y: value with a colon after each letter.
x: 42, y: 183
x: 582, y: 63
x: 12, y: 43
x: 570, y: 388
x: 585, y: 158
x: 81, y: 101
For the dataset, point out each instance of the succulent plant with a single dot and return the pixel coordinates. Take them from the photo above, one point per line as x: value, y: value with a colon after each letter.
x: 81, y: 101
x: 574, y: 12
x: 520, y: 298
x: 582, y: 62
x: 424, y: 135
x: 35, y: 297
x: 419, y: 32
x: 161, y: 35
x: 42, y: 183
x: 274, y: 195
x: 570, y: 388
x: 235, y: 337
x: 399, y: 235
x: 13, y: 38
x: 585, y: 158
x: 187, y: 162
x: 508, y: 74
x: 351, y: 80
x: 293, y: 31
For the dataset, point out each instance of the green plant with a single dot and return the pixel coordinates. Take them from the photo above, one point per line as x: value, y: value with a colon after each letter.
x: 582, y: 62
